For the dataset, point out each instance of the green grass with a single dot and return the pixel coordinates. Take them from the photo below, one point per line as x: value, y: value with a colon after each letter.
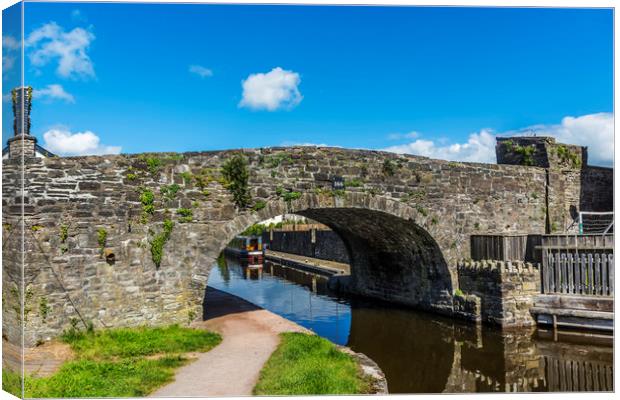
x: 113, y: 363
x: 132, y: 342
x: 308, y: 364
x: 11, y: 382
x: 87, y: 378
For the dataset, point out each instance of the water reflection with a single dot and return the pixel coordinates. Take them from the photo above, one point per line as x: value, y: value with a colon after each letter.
x: 425, y: 353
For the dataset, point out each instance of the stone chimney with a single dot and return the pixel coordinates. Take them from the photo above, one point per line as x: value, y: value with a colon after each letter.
x: 22, y: 142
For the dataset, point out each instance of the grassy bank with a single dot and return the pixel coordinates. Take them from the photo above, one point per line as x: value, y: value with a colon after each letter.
x: 121, y: 362
x: 11, y: 382
x: 308, y: 364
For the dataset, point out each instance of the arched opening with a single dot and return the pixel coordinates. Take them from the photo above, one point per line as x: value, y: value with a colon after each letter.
x: 391, y: 257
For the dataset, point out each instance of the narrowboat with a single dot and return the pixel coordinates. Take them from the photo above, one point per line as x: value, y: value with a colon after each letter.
x: 247, y: 248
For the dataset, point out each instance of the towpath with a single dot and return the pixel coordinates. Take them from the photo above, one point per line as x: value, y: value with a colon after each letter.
x: 249, y: 336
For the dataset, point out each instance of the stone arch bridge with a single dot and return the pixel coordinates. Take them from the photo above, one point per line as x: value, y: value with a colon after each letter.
x: 91, y: 225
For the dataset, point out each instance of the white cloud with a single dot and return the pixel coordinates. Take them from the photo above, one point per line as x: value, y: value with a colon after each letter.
x: 53, y: 92
x: 271, y: 91
x: 480, y: 147
x: 51, y: 42
x: 9, y: 42
x: 399, y: 136
x: 10, y: 45
x: 62, y: 142
x: 593, y: 130
x: 200, y: 71
x: 305, y: 144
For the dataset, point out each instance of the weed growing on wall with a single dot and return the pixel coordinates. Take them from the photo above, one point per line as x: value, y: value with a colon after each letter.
x: 186, y: 215
x: 259, y: 205
x: 568, y: 157
x: 102, y: 238
x: 169, y: 192
x: 158, y: 242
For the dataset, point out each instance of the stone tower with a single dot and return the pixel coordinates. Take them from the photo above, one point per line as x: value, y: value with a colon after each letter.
x: 567, y: 172
x: 540, y: 151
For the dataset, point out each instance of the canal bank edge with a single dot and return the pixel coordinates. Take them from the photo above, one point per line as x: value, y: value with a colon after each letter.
x: 370, y: 371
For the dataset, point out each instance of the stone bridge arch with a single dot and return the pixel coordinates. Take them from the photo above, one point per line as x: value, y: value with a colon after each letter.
x: 393, y: 258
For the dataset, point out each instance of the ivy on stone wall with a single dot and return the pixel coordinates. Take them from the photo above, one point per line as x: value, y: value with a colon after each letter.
x: 147, y: 198
x: 158, y: 242
x: 64, y: 234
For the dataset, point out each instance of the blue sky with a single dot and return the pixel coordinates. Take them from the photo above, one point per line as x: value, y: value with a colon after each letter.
x: 440, y: 82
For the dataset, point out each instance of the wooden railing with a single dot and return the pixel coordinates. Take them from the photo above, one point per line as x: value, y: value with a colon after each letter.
x: 578, y: 265
x: 587, y: 274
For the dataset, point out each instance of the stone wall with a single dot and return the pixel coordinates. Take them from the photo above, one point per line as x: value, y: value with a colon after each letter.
x: 326, y: 245
x: 596, y: 189
x: 406, y: 222
x: 506, y: 289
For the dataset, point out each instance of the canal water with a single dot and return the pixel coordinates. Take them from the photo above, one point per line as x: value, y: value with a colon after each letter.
x: 421, y: 352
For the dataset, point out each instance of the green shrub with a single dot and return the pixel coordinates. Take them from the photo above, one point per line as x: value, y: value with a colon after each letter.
x: 235, y: 172
x: 254, y: 230
x: 290, y: 196
x: 389, y: 167
x: 153, y: 164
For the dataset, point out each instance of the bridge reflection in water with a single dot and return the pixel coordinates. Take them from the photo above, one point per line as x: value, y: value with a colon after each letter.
x: 425, y: 353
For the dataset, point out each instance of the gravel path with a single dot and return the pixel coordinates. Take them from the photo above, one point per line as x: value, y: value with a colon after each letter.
x: 250, y: 335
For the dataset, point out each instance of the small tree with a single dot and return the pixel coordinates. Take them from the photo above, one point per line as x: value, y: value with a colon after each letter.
x: 235, y: 171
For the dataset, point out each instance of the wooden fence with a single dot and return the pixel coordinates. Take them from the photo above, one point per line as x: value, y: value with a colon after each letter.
x: 578, y: 265
x: 505, y: 247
